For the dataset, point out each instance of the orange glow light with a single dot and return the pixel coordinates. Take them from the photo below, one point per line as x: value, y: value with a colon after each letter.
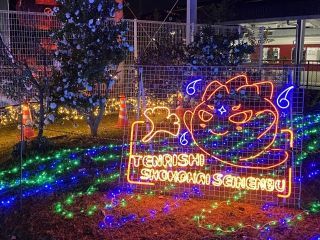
x: 152, y: 132
x: 239, y: 118
x: 185, y: 167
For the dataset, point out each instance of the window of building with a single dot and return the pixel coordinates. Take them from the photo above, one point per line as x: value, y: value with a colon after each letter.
x: 293, y: 55
x: 271, y: 53
x: 313, y: 54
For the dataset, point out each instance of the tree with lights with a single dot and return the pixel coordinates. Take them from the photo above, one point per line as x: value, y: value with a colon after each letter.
x: 207, y: 49
x: 23, y: 79
x: 90, y: 46
x: 212, y: 49
x: 164, y: 50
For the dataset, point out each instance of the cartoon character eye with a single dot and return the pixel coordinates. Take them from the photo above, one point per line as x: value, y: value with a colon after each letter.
x: 211, y: 107
x: 241, y: 117
x: 235, y: 108
x: 205, y: 116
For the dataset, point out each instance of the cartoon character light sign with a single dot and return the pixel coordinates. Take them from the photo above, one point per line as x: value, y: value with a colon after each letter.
x: 232, y: 138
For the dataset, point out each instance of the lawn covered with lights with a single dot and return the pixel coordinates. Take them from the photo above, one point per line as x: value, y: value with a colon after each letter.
x: 82, y: 192
x: 128, y: 129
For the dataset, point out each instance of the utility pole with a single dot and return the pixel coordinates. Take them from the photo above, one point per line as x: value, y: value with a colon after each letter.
x: 192, y: 6
x: 300, y: 33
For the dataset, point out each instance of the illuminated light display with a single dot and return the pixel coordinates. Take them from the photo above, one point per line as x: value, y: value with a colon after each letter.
x: 11, y: 114
x: 222, y: 110
x: 58, y: 171
x: 217, y: 180
x: 182, y: 176
x: 169, y: 116
x: 133, y: 126
x: 39, y: 182
x: 234, y: 123
x: 286, y: 221
x: 46, y: 2
x: 289, y: 187
x: 249, y: 183
x: 282, y: 100
x: 290, y: 133
x: 122, y: 198
x: 168, y: 160
x: 151, y: 171
x: 240, y: 117
x: 217, y: 133
x: 191, y: 87
x: 183, y: 139
x: 64, y: 208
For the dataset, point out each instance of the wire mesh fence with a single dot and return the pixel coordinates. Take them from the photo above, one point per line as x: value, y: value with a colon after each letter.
x: 27, y: 35
x: 251, y: 144
x: 211, y: 131
x: 26, y: 38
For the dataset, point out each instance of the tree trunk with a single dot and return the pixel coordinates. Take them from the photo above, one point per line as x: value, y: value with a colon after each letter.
x: 41, y: 114
x: 94, y: 121
x: 94, y: 130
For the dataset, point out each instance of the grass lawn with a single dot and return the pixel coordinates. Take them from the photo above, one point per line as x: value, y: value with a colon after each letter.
x: 64, y: 134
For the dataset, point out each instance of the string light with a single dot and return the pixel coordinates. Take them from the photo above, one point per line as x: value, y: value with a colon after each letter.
x: 61, y: 207
x: 62, y: 169
x: 42, y: 173
x: 11, y: 114
x: 200, y: 218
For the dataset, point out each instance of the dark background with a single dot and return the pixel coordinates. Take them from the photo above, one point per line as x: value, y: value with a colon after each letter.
x: 208, y: 11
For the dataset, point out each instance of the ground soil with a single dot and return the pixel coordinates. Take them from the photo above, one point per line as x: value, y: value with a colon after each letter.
x: 38, y: 221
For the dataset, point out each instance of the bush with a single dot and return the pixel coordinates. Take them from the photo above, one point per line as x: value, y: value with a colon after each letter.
x: 164, y: 53
x: 208, y: 49
x: 36, y: 146
x: 212, y: 49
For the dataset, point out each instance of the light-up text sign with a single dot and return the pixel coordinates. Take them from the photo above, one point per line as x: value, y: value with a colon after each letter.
x: 234, y: 126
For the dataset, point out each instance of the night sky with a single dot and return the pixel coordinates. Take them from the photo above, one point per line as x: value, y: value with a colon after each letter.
x: 239, y: 10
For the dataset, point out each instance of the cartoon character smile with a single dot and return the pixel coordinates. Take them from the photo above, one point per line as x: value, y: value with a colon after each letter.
x: 237, y: 124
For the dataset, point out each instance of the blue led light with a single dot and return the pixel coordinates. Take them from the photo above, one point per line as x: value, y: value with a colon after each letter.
x: 183, y: 139
x: 191, y: 87
x: 282, y: 99
x: 222, y: 110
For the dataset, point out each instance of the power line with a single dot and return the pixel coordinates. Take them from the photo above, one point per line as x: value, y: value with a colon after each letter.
x: 165, y: 19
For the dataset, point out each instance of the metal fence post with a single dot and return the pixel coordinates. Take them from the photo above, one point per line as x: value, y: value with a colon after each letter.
x: 143, y: 105
x: 193, y: 30
x: 261, y: 41
x: 139, y: 80
x: 135, y: 39
x: 191, y: 19
x: 187, y: 34
x: 308, y: 69
x: 139, y: 72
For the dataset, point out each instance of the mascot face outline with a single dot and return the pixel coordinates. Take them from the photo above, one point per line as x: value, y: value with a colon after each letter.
x: 224, y: 115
